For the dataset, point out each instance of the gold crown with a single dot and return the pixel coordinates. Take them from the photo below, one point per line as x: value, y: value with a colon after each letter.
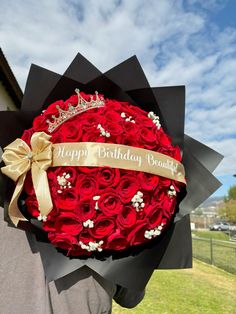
x: 72, y: 111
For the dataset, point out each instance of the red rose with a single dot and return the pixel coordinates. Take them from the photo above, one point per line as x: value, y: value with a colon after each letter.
x: 109, y: 203
x: 87, y: 97
x: 164, y: 140
x: 154, y: 216
x: 28, y: 185
x: 32, y: 206
x: 108, y: 177
x: 127, y: 187
x: 57, y: 137
x: 73, y: 100
x: 93, y: 135
x: 177, y: 153
x: 136, y: 236
x: 27, y: 136
x: 130, y: 111
x: 63, y: 241
x: 71, y: 132
x: 40, y: 124
x: 112, y: 104
x: 60, y: 171
x: 52, y: 109
x: 49, y: 225
x: 147, y: 199
x: 145, y: 121
x: 85, y: 237
x: 87, y: 170
x: 148, y: 181
x: 53, y: 184
x: 85, y: 210
x: 91, y: 118
x: 128, y: 139
x: 131, y: 129
x: 168, y: 205
x: 165, y: 202
x: 114, y: 129
x: 103, y: 227
x: 177, y: 185
x: 86, y: 186
x: 117, y: 242
x: 67, y: 200
x: 68, y: 223
x: 138, y: 111
x: 165, y: 182
x: 52, y: 215
x: 148, y: 138
x: 127, y: 217
x: 113, y: 117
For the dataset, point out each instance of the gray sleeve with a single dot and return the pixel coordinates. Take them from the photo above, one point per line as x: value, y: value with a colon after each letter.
x: 24, y: 288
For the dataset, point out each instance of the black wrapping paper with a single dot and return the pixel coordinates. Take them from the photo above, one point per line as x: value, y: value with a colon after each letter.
x: 125, y: 82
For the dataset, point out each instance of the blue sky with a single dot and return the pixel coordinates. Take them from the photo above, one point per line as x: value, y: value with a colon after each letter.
x: 178, y: 42
x: 225, y: 15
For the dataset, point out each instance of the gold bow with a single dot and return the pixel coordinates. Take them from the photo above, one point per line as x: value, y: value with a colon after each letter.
x: 19, y: 159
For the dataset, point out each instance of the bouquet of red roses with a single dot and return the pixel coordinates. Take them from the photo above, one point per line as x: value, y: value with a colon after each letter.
x: 104, y: 208
x: 99, y: 174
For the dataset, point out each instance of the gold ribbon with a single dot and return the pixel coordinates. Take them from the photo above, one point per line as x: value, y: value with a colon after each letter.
x: 19, y: 159
x: 120, y: 156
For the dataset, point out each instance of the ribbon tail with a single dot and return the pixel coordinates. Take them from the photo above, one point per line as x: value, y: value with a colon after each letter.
x: 13, y: 210
x: 42, y: 191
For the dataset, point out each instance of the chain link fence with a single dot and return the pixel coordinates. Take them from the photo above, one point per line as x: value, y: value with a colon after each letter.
x: 215, y: 252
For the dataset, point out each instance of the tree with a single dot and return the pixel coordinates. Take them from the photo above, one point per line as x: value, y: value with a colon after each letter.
x: 228, y: 209
x: 231, y: 193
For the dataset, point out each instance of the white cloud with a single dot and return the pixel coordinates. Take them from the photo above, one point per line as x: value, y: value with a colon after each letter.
x: 176, y: 44
x: 227, y: 147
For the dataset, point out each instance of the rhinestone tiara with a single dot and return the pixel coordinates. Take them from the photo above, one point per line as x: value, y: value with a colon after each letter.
x: 83, y: 105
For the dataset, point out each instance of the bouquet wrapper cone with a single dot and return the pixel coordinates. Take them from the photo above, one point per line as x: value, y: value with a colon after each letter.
x: 124, y: 82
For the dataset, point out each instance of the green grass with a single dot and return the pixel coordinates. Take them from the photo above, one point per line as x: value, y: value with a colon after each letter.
x: 202, y: 290
x: 217, y: 235
x: 223, y: 254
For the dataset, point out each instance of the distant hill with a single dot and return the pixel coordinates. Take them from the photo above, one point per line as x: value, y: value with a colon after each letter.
x: 211, y: 205
x: 212, y: 201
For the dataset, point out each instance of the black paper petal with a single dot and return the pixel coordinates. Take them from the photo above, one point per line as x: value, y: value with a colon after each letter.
x: 171, y: 102
x: 128, y: 75
x: 208, y: 157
